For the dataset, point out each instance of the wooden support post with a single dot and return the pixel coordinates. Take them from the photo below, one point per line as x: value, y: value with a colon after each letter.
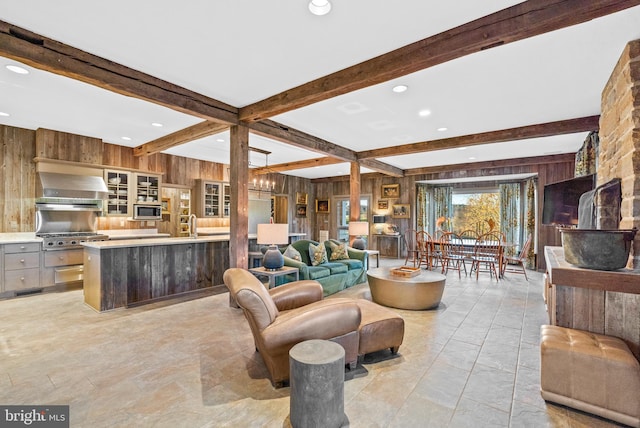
x: 354, y: 192
x: 239, y: 212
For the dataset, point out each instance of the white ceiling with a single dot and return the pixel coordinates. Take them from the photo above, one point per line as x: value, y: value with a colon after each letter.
x: 243, y: 51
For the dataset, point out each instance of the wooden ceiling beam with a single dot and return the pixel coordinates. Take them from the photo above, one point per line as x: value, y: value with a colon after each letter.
x: 195, y: 132
x: 521, y: 21
x: 382, y: 167
x: 55, y: 57
x: 282, y: 133
x: 589, y: 123
x: 488, y: 166
x: 475, y: 169
x: 291, y: 166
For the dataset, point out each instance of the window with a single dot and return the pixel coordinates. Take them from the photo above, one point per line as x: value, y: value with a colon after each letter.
x: 343, y: 211
x: 476, y: 209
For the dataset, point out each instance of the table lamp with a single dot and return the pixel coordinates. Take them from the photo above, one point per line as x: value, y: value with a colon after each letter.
x: 358, y: 229
x: 378, y: 222
x: 273, y: 234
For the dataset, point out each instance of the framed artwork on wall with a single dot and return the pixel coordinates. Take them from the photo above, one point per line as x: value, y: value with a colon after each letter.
x: 301, y: 210
x: 322, y: 206
x: 390, y: 190
x: 301, y: 198
x: 383, y: 204
x: 401, y: 211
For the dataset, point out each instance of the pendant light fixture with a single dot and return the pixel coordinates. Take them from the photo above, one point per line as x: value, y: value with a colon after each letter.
x: 319, y: 7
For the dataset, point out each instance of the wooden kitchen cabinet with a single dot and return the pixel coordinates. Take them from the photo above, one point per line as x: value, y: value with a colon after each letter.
x: 117, y: 203
x: 212, y: 198
x: 147, y: 188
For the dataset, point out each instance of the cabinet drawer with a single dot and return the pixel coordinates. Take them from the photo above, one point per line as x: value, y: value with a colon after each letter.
x: 21, y: 279
x: 22, y: 248
x: 21, y: 261
x: 63, y: 258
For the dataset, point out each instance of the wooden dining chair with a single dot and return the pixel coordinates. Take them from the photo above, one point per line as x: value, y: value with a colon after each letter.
x: 452, y: 254
x: 516, y: 264
x: 411, y: 244
x: 426, y: 248
x: 487, y: 255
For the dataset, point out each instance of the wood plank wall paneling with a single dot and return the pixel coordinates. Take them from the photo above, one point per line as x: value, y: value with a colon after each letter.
x: 70, y: 147
x: 18, y: 179
x: 20, y: 146
x: 371, y: 184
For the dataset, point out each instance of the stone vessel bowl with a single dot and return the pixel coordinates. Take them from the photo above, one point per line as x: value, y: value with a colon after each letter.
x: 600, y: 249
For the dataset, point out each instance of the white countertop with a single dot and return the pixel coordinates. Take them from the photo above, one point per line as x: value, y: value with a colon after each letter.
x: 126, y: 243
x: 133, y: 233
x: 18, y: 237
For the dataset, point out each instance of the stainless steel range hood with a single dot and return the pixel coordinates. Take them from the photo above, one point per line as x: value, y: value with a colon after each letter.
x: 70, y: 186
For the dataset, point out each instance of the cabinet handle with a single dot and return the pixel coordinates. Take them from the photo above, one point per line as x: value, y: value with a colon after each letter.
x: 22, y: 247
x: 21, y: 260
x: 22, y: 278
x: 61, y: 258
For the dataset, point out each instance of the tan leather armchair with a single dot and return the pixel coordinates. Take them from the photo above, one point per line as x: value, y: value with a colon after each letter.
x: 284, y: 316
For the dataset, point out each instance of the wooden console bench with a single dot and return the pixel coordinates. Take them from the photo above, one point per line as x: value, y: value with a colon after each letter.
x: 603, y: 302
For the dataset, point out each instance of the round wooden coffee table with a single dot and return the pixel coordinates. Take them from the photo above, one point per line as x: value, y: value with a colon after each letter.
x: 419, y: 292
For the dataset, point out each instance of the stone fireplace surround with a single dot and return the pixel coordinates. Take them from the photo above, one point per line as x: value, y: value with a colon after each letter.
x: 620, y: 139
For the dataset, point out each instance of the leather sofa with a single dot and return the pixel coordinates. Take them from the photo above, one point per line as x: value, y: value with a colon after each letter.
x: 334, y: 276
x: 283, y: 316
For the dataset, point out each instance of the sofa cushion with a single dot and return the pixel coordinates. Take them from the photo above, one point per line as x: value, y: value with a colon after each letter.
x: 351, y: 263
x: 316, y: 272
x: 338, y: 251
x: 318, y: 254
x: 336, y: 267
x: 292, y: 253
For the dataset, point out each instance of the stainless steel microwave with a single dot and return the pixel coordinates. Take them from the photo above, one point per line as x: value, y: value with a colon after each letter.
x: 147, y: 212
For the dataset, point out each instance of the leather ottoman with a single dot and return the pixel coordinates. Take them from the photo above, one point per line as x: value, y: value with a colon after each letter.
x: 590, y: 372
x: 380, y: 328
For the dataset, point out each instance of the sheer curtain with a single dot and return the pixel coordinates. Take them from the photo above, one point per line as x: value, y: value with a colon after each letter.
x: 530, y: 228
x: 443, y: 206
x: 422, y: 207
x: 510, y: 214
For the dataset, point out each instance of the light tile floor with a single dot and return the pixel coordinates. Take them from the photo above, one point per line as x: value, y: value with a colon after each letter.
x: 473, y: 362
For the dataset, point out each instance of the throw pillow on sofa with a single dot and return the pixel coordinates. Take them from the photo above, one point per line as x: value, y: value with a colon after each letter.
x: 338, y: 251
x: 292, y: 253
x: 318, y: 254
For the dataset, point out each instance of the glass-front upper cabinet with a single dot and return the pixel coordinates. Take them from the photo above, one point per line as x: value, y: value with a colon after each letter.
x: 117, y: 203
x: 226, y: 208
x: 209, y: 198
x: 147, y: 188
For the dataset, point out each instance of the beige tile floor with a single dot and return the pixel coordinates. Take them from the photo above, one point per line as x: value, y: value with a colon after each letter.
x: 473, y: 362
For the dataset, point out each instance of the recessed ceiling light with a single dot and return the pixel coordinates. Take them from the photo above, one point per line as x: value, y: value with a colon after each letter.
x: 3, y: 114
x: 220, y: 140
x: 424, y: 113
x: 472, y: 158
x: 400, y: 88
x: 157, y: 124
x: 126, y: 138
x: 442, y: 129
x: 462, y: 148
x: 319, y: 7
x: 17, y: 69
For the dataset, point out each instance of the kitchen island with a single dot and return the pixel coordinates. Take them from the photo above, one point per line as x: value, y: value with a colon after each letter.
x: 128, y: 272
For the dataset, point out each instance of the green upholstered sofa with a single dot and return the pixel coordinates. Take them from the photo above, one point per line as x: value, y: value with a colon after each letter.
x: 334, y: 276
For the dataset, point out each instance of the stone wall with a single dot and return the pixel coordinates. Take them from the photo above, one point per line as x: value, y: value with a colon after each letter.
x: 620, y: 139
